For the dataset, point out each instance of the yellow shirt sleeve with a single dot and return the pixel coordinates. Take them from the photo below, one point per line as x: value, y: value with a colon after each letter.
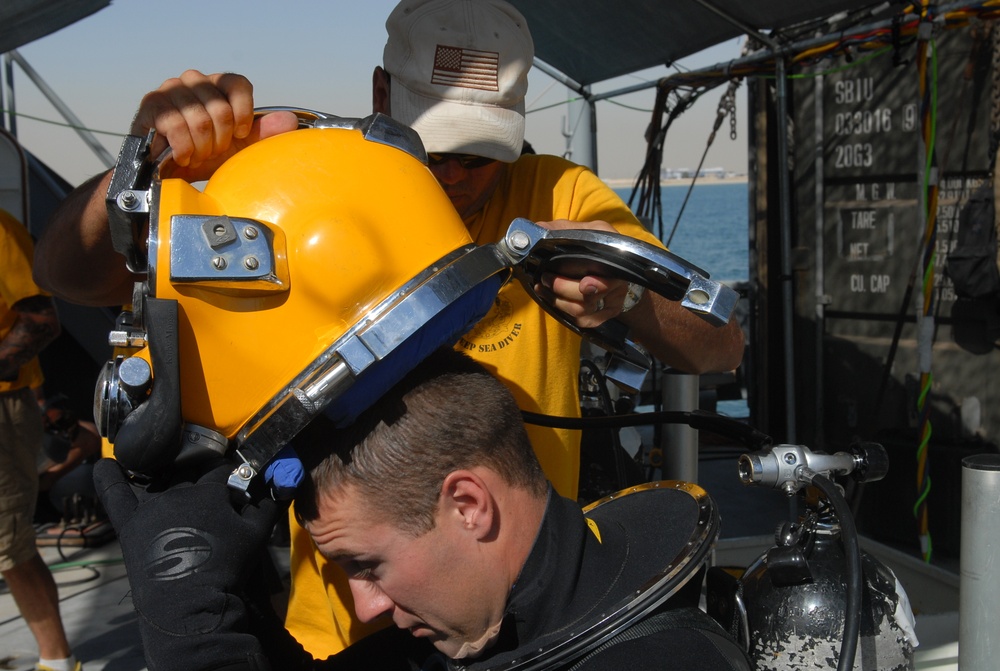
x: 16, y: 283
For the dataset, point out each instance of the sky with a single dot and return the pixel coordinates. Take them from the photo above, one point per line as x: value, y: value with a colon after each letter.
x: 314, y: 55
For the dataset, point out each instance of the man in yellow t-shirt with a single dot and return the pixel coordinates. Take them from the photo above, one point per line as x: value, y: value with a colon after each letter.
x: 456, y: 71
x: 28, y: 323
x: 474, y: 140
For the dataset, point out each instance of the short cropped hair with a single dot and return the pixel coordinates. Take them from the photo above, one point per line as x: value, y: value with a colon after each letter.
x: 449, y: 413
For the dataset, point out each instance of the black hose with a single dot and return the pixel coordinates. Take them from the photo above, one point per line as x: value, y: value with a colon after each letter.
x: 697, y: 419
x: 852, y: 551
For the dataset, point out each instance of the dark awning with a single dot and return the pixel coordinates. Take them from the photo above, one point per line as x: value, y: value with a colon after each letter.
x: 594, y: 40
x: 23, y: 21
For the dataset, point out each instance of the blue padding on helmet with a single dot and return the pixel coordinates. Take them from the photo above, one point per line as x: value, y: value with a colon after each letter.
x: 443, y: 329
x: 284, y: 473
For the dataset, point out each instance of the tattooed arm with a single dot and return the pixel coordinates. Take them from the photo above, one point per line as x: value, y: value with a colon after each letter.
x: 35, y: 327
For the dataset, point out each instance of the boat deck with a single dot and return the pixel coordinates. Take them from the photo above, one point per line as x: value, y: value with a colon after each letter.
x: 96, y: 610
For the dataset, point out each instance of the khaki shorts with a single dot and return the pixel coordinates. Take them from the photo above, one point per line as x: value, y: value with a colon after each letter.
x: 20, y: 446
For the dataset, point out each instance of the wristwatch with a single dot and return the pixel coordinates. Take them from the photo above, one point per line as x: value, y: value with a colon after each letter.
x: 633, y: 296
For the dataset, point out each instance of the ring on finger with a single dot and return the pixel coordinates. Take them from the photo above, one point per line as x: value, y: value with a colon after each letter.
x: 600, y: 304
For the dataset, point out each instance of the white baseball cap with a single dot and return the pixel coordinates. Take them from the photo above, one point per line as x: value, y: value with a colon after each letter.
x: 459, y: 72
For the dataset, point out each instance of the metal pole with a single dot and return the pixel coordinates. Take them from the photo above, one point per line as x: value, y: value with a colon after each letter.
x: 7, y: 96
x: 102, y: 153
x: 679, y: 442
x: 978, y: 588
x: 822, y: 299
x: 785, y: 198
x: 580, y: 131
x: 568, y: 82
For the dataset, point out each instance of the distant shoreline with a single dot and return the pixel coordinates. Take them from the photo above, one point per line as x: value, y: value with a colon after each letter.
x: 624, y: 182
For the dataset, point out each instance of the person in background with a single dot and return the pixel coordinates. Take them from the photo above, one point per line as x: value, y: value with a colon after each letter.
x: 70, y: 447
x: 435, y: 506
x: 28, y: 323
x: 457, y: 72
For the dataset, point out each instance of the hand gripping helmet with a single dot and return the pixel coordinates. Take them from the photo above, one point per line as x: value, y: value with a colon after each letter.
x: 307, y: 259
x: 314, y: 269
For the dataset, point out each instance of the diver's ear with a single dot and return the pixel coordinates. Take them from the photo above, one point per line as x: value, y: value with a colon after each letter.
x: 466, y: 499
x: 380, y: 91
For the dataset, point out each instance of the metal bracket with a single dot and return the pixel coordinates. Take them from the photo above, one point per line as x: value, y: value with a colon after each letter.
x: 223, y: 251
x: 127, y: 200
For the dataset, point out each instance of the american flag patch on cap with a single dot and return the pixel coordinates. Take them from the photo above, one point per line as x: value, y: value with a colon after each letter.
x: 466, y: 68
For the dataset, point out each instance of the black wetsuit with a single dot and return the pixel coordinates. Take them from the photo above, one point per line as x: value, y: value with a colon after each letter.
x: 569, y: 580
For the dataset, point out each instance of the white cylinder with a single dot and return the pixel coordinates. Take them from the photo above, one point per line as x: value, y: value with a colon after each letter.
x: 979, y: 588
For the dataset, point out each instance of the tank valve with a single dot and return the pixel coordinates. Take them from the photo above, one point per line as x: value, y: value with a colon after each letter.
x: 791, y: 467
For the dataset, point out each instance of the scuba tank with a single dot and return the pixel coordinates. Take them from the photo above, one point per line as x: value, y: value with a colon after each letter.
x: 815, y: 600
x: 795, y: 599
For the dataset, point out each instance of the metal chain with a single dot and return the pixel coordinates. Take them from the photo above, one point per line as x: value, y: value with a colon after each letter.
x: 730, y: 102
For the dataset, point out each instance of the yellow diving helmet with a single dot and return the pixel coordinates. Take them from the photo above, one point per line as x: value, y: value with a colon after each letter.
x: 312, y: 272
x: 308, y: 258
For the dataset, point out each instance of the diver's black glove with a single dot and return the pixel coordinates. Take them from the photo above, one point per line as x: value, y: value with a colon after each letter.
x: 189, y: 546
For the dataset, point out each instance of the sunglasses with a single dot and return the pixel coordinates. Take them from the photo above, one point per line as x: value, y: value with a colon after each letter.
x: 467, y: 161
